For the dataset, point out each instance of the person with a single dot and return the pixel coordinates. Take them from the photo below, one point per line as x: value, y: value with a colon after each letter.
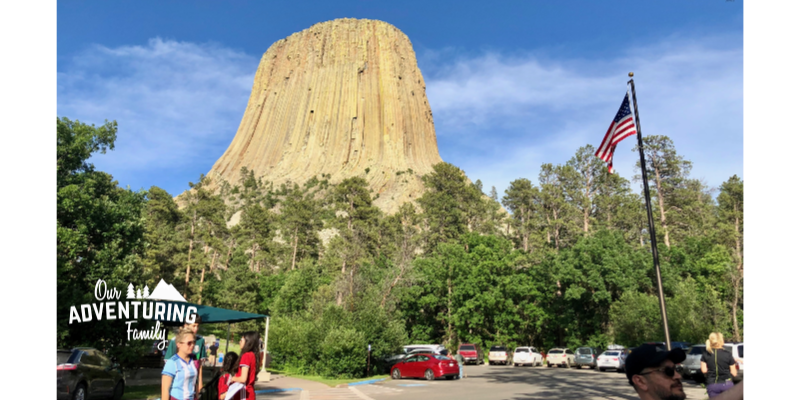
x: 249, y: 343
x: 229, y: 368
x: 735, y: 393
x: 179, y: 376
x: 460, y: 360
x: 653, y: 373
x: 718, y: 365
x: 198, y: 352
x: 213, y: 351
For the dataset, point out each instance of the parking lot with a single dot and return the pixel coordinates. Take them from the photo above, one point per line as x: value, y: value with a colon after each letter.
x: 493, y: 382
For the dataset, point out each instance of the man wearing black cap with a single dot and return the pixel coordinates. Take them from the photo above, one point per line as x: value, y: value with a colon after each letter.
x: 654, y: 374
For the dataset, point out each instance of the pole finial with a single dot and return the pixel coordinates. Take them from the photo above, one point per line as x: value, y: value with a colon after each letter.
x: 630, y: 74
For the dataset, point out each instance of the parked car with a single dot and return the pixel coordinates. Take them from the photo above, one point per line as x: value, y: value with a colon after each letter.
x: 691, y: 366
x: 527, y: 356
x: 391, y: 360
x: 432, y: 347
x: 560, y: 357
x: 472, y: 353
x: 428, y: 366
x: 499, y: 355
x: 737, y: 349
x: 612, y: 359
x: 85, y: 373
x: 686, y: 346
x: 441, y: 352
x: 586, y: 356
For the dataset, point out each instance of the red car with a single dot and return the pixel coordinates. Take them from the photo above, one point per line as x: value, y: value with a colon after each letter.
x: 428, y: 366
x: 472, y: 353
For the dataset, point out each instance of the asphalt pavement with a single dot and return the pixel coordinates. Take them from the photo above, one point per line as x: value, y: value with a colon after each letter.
x: 489, y: 382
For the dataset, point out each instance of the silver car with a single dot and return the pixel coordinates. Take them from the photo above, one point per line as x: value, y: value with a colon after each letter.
x: 691, y: 366
x: 612, y: 359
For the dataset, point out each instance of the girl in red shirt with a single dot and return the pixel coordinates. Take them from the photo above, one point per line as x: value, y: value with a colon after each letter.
x: 249, y: 343
x: 230, y: 366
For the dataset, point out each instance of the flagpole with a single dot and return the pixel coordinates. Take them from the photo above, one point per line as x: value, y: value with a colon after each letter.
x: 653, y: 243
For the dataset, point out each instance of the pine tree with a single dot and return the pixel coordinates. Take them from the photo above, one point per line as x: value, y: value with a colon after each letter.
x: 731, y: 230
x: 519, y: 199
x: 138, y: 293
x: 666, y: 171
x: 146, y: 293
x: 131, y: 294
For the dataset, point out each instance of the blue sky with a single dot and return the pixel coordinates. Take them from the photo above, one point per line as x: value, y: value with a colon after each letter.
x: 511, y: 85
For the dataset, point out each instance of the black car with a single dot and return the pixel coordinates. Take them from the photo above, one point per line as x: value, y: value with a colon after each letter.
x: 87, y: 373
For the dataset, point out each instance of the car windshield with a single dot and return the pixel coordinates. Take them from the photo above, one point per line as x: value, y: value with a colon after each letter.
x: 611, y: 353
x: 497, y: 348
x: 554, y: 351
x: 522, y: 350
x: 438, y: 357
x: 584, y: 350
x: 467, y: 347
x: 697, y: 350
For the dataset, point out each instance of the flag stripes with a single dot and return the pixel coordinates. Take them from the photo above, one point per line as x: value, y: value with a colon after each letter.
x: 621, y: 127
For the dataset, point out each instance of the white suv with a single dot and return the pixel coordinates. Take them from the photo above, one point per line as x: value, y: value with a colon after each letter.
x: 561, y: 357
x: 527, y: 355
x: 737, y: 349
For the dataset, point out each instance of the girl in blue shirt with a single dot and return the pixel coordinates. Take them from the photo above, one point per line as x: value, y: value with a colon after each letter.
x: 179, y: 376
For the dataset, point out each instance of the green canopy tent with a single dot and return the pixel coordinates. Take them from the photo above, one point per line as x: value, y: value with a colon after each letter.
x: 215, y: 315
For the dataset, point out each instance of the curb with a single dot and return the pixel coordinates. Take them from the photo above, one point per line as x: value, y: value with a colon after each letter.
x: 366, y: 382
x: 264, y: 391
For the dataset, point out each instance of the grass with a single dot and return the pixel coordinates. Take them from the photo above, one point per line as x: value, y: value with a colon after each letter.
x: 142, y: 392
x: 332, y: 382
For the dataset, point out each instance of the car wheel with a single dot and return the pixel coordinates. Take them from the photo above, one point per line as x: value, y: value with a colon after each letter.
x: 119, y: 390
x: 602, y: 369
x: 429, y: 375
x: 80, y: 392
x: 450, y: 378
x: 396, y: 374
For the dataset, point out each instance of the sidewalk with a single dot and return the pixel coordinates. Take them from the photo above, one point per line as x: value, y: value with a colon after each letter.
x: 287, y: 383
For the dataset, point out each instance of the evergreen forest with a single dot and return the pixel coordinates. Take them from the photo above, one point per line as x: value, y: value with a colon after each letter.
x: 561, y: 258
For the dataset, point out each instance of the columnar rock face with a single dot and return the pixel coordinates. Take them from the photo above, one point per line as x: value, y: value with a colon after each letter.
x: 339, y: 98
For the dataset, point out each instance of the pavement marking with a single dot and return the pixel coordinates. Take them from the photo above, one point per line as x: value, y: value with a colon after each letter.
x: 264, y: 391
x: 360, y: 394
x: 371, y: 381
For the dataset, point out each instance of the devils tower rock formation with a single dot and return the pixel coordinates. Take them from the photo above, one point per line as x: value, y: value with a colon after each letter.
x: 342, y: 98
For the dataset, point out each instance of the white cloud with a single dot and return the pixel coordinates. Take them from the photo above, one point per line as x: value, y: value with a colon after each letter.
x: 507, y: 115
x: 499, y: 117
x: 177, y: 103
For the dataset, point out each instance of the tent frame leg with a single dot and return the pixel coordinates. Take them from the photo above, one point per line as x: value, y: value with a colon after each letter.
x: 266, y: 336
x: 227, y: 342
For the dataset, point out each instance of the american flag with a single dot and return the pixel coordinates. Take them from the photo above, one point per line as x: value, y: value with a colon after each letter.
x: 620, y: 128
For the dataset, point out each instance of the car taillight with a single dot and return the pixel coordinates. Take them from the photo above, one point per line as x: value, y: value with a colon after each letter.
x: 613, y: 359
x: 67, y: 367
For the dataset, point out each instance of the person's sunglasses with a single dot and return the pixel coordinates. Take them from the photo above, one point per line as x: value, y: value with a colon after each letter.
x: 191, y: 342
x: 668, y: 371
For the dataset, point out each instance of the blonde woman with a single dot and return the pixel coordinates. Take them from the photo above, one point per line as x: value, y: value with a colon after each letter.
x: 179, y: 377
x: 718, y: 365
